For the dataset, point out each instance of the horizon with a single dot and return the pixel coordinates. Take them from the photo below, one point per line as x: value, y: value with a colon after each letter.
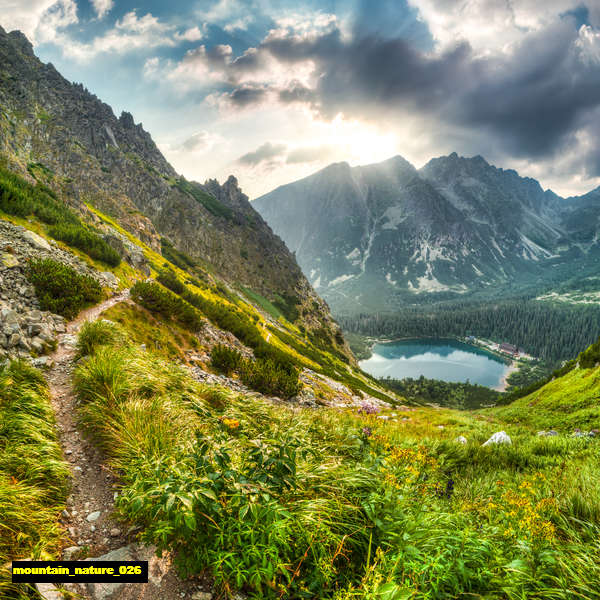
x: 273, y: 92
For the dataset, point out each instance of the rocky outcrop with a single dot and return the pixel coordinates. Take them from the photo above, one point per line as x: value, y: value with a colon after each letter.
x: 24, y: 329
x: 79, y: 147
x: 375, y: 237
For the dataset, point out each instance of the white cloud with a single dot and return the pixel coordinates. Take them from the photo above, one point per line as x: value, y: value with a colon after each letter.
x: 103, y: 7
x: 193, y: 34
x: 54, y: 19
x: 24, y: 16
x: 131, y: 33
x: 489, y: 26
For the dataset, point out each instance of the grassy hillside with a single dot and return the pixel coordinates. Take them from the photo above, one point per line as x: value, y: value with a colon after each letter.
x: 340, y: 504
x: 563, y: 404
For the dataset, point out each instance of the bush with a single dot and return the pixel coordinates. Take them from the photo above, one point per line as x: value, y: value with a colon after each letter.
x: 60, y: 289
x: 168, y: 278
x: 270, y: 378
x: 77, y: 236
x: 159, y: 300
x: 20, y: 198
x: 225, y: 359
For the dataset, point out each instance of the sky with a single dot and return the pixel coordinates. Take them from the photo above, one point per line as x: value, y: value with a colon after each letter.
x: 273, y: 90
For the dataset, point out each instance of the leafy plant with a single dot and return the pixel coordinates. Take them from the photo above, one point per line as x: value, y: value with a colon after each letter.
x: 77, y: 236
x: 60, y: 289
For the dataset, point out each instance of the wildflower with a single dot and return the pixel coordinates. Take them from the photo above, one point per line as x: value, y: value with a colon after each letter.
x: 368, y: 409
x: 367, y: 432
x: 231, y: 423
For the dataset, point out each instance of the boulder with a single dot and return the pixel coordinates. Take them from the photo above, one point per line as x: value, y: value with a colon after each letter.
x: 500, y: 437
x: 35, y: 240
x: 461, y: 439
x: 8, y: 261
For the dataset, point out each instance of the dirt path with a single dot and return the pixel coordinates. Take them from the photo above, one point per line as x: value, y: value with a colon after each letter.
x: 88, y: 518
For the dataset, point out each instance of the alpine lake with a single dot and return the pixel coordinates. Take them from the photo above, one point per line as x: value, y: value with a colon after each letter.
x: 445, y: 359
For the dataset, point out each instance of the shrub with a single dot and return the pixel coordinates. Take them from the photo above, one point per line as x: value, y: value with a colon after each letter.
x: 77, y: 236
x: 168, y: 278
x: 225, y: 359
x: 20, y: 198
x: 60, y: 289
x: 270, y: 378
x: 159, y: 300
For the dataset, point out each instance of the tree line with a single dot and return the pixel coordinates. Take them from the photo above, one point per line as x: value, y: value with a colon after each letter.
x: 550, y: 331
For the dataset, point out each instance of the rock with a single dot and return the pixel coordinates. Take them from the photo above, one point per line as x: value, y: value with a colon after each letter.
x: 69, y: 552
x: 8, y: 261
x: 115, y: 532
x: 383, y: 417
x: 201, y: 595
x: 93, y: 516
x: 36, y: 240
x: 65, y: 514
x: 109, y: 279
x: 461, y: 439
x: 48, y: 592
x: 550, y: 433
x: 499, y: 437
x: 157, y: 569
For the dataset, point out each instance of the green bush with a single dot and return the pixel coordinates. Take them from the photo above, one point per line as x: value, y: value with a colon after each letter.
x: 270, y: 378
x: 160, y: 300
x: 60, y: 289
x: 20, y: 198
x: 168, y: 278
x: 224, y: 359
x: 77, y: 236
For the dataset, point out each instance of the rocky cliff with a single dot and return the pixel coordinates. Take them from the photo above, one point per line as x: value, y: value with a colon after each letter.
x: 64, y: 136
x: 370, y: 238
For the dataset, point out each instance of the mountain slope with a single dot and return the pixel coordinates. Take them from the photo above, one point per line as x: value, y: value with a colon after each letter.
x: 370, y: 237
x: 64, y: 136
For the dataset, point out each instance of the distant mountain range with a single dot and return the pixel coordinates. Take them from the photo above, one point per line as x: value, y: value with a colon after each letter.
x: 373, y: 237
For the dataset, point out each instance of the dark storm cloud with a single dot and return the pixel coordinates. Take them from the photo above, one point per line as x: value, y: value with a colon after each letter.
x: 266, y: 152
x: 530, y: 101
x: 244, y: 96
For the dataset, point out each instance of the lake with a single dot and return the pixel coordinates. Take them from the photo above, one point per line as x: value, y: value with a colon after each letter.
x: 448, y: 360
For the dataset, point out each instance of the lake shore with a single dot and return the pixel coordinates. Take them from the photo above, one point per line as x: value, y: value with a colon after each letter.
x: 512, y: 368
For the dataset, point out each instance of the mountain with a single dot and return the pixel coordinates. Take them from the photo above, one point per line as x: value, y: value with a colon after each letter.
x: 370, y: 237
x: 61, y: 135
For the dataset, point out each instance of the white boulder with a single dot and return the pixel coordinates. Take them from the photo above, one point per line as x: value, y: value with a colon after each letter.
x: 500, y: 437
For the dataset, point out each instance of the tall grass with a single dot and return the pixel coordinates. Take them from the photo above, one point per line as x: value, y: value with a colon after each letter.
x: 34, y: 479
x: 305, y: 504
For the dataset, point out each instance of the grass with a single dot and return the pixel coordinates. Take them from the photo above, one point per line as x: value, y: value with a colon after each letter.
x: 34, y: 479
x: 340, y: 504
x: 562, y: 404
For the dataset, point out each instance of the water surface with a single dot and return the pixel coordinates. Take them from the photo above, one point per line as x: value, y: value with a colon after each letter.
x: 448, y: 360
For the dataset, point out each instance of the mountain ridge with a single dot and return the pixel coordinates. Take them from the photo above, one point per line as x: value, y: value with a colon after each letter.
x: 456, y: 226
x: 60, y: 134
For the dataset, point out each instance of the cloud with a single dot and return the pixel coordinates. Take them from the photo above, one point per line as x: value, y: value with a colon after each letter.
x: 310, y: 154
x: 54, y: 19
x: 201, y: 142
x: 103, y: 7
x: 265, y: 153
x: 24, y: 16
x: 131, y: 33
x: 531, y: 98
